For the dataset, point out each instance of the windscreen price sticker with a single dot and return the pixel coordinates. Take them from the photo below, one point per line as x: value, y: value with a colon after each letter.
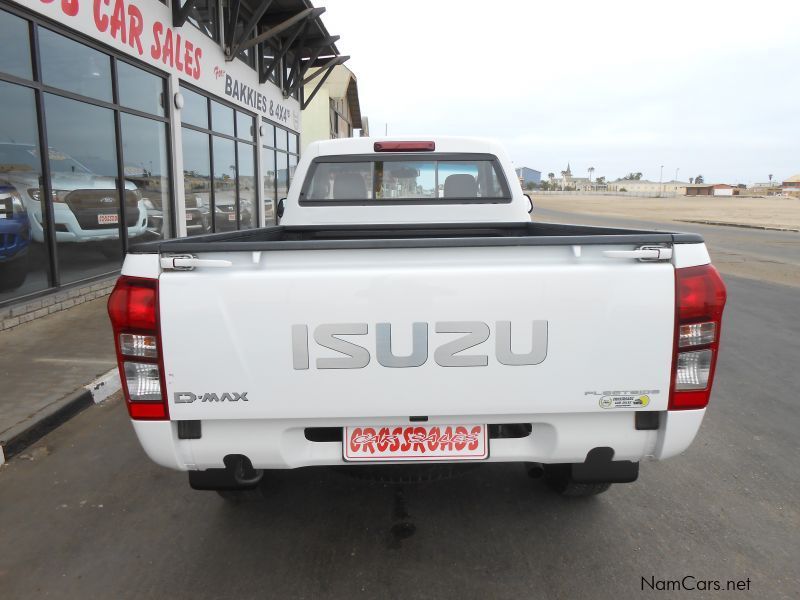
x: 416, y: 442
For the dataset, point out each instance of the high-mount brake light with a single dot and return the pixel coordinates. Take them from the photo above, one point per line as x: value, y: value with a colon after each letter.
x: 133, y: 309
x: 405, y: 146
x: 699, y: 302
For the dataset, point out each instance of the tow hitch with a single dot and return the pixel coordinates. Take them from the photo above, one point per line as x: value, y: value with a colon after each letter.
x: 238, y: 474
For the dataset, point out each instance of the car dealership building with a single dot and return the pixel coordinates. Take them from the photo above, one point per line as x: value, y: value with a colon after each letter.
x: 160, y: 119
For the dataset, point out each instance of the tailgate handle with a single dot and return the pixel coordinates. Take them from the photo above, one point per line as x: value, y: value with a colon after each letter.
x: 645, y: 253
x: 188, y: 263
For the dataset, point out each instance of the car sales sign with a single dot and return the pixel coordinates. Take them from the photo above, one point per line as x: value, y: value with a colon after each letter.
x: 143, y: 29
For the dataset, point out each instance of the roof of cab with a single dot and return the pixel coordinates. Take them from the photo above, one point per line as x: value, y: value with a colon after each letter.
x: 366, y: 145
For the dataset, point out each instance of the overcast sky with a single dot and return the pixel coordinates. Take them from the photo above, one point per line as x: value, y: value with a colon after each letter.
x: 709, y: 87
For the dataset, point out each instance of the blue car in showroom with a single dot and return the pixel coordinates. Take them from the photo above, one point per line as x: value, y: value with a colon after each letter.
x: 15, y: 238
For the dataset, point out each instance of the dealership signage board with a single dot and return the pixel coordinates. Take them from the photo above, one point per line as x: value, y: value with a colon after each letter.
x: 143, y: 29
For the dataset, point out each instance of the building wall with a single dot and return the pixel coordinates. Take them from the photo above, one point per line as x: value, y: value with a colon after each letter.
x: 643, y: 185
x: 328, y: 115
x: 316, y: 119
x: 108, y: 105
x: 527, y: 175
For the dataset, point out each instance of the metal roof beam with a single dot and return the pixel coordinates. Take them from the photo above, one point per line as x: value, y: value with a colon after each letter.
x: 308, y: 13
x: 181, y: 12
x: 306, y: 101
x: 230, y: 25
x: 336, y: 60
x: 235, y: 45
x: 322, y: 42
x: 280, y: 54
x: 297, y: 77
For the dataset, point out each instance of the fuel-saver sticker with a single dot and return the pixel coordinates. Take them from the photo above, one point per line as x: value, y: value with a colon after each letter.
x: 623, y: 398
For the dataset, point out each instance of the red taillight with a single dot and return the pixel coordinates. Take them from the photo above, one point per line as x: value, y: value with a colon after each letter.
x: 132, y: 304
x: 133, y: 308
x: 405, y: 146
x: 699, y: 301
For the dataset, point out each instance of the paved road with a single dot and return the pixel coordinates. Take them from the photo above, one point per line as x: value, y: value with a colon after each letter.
x: 771, y: 256
x: 83, y: 514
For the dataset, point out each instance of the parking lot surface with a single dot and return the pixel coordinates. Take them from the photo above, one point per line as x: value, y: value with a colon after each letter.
x: 84, y: 513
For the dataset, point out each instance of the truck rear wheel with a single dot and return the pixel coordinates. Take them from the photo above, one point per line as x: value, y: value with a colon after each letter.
x: 559, y: 479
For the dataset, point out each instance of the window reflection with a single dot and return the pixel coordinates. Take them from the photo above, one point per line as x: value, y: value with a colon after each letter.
x: 224, y: 185
x: 144, y: 149
x: 83, y: 165
x: 68, y: 65
x: 247, y: 186
x: 268, y: 173
x: 196, y: 181
x: 140, y: 90
x: 281, y: 139
x: 283, y: 174
x: 245, y: 126
x: 221, y: 118
x: 14, y: 33
x: 292, y: 167
x: 23, y: 258
x: 268, y: 139
x: 195, y: 109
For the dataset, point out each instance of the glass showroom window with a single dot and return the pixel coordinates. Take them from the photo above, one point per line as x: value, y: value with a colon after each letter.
x: 218, y: 166
x: 23, y: 252
x: 106, y: 168
x: 279, y: 157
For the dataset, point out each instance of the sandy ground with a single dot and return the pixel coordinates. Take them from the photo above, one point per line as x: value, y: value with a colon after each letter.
x: 778, y: 213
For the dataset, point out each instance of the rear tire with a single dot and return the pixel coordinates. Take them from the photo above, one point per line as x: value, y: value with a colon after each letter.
x: 559, y: 479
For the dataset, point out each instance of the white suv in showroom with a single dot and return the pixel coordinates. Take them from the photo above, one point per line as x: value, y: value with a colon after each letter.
x: 85, y: 205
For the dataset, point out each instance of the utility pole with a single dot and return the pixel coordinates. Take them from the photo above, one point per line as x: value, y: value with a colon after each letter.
x: 661, y: 185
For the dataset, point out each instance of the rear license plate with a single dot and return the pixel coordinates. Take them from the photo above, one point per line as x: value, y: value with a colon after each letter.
x: 231, y: 217
x: 416, y: 442
x: 189, y: 217
x: 108, y: 219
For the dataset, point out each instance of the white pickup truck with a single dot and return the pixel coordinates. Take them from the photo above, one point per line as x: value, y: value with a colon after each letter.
x: 407, y: 310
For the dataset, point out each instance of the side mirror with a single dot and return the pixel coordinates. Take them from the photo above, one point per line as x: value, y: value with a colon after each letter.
x: 281, y: 208
x: 530, y: 203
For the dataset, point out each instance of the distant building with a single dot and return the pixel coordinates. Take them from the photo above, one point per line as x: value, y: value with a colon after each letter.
x: 711, y: 189
x: 581, y: 184
x: 767, y: 188
x: 643, y: 186
x: 792, y: 185
x: 334, y: 112
x: 527, y: 176
x: 566, y: 178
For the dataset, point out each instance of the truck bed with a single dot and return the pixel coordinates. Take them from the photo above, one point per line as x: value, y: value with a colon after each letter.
x: 316, y: 237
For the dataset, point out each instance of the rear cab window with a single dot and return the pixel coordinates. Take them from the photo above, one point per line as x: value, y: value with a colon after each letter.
x: 400, y: 179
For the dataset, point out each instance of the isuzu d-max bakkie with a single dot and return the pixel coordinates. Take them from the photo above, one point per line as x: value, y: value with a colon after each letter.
x: 406, y: 311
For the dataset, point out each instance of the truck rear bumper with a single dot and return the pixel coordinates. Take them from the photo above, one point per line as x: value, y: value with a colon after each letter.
x: 554, y: 438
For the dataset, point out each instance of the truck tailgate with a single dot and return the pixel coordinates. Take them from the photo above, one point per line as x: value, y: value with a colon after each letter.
x: 592, y: 333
